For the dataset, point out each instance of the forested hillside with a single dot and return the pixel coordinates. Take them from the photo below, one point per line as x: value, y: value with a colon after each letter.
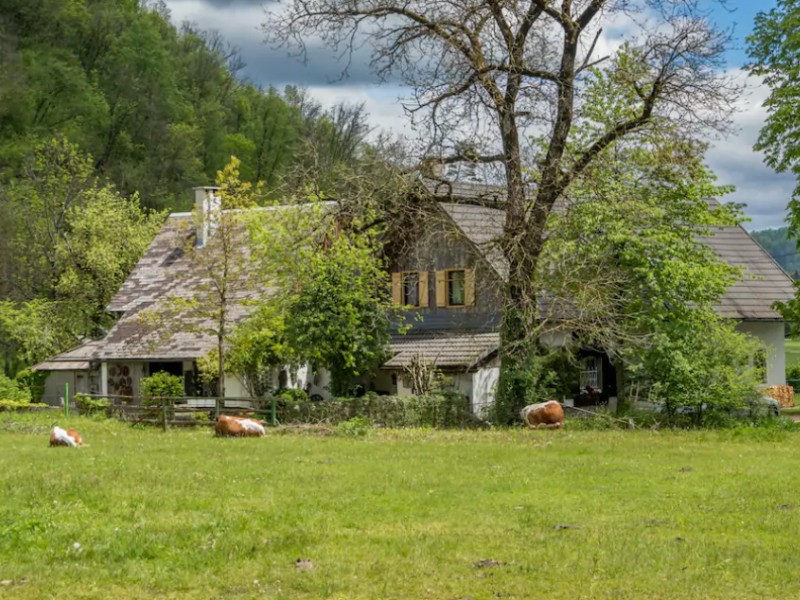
x: 109, y: 115
x: 159, y: 109
x: 781, y: 248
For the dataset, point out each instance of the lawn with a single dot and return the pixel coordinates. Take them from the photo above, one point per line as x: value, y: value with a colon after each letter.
x: 792, y: 352
x: 408, y: 514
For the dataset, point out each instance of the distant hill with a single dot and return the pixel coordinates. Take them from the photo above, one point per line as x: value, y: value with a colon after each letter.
x: 781, y: 248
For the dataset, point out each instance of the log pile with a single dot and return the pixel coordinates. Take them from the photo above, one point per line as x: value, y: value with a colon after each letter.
x: 782, y: 393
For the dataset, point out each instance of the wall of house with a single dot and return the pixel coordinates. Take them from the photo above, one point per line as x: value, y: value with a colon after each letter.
x: 772, y: 334
x: 80, y: 382
x: 436, y: 250
x: 123, y: 377
x: 484, y: 388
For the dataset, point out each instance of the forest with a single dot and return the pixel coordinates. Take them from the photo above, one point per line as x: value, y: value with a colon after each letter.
x: 781, y: 247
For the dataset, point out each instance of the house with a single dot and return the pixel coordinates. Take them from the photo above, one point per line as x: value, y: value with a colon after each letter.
x: 114, y: 365
x: 450, y: 274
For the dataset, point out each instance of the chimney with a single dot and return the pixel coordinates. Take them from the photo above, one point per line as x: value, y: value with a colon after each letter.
x: 207, y: 205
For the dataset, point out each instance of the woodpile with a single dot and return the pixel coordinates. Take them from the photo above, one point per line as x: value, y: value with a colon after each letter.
x: 782, y: 393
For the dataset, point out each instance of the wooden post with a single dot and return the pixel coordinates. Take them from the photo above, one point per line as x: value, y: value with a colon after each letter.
x: 273, y: 418
x: 66, y: 400
x: 216, y: 408
x: 164, y: 413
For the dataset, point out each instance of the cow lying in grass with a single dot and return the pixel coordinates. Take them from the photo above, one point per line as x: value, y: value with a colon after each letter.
x: 238, y: 427
x: 60, y: 437
x: 545, y: 415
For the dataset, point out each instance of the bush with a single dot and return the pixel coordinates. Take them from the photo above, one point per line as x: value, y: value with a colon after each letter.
x: 93, y: 406
x: 793, y: 372
x: 161, y: 385
x: 355, y: 427
x: 292, y: 395
x: 33, y: 381
x: 12, y: 390
x: 440, y: 410
x: 12, y: 405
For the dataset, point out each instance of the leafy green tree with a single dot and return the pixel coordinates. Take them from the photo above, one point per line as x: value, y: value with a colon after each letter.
x: 218, y: 285
x: 330, y: 287
x: 71, y: 244
x: 773, y: 48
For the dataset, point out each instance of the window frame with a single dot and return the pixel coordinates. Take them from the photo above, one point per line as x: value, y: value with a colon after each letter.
x: 447, y: 280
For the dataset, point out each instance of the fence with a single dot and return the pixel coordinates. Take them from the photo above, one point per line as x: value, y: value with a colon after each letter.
x: 385, y: 411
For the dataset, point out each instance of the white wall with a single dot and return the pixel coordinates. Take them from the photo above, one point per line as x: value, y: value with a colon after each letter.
x: 484, y: 387
x: 772, y: 334
x: 54, y: 386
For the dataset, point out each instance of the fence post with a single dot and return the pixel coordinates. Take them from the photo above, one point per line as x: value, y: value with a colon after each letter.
x: 164, y: 413
x: 216, y: 409
x: 66, y: 400
x: 272, y: 411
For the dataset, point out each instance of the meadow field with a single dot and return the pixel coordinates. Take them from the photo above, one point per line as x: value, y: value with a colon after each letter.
x: 139, y: 513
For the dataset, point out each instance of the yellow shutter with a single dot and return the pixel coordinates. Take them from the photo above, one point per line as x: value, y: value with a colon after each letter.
x: 441, y: 288
x: 423, y: 289
x: 397, y: 288
x: 469, y: 287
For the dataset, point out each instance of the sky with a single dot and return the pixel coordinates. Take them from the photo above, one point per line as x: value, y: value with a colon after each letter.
x: 764, y: 192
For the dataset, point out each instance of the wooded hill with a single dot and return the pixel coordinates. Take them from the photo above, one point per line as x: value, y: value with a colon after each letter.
x: 781, y: 248
x: 160, y: 109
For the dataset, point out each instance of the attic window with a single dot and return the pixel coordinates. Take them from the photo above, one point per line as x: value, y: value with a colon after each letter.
x: 410, y: 288
x: 456, y: 288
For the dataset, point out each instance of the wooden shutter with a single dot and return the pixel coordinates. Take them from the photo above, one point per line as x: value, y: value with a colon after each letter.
x: 441, y: 288
x: 397, y: 288
x: 469, y: 287
x: 423, y: 289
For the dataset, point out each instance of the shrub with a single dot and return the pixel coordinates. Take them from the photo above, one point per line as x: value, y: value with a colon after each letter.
x: 33, y: 381
x: 355, y: 427
x: 292, y: 395
x: 161, y: 385
x: 12, y: 405
x: 12, y: 390
x: 92, y: 406
x: 793, y: 372
x: 441, y: 410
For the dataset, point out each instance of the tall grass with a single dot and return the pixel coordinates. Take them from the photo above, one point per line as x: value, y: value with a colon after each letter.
x: 139, y: 513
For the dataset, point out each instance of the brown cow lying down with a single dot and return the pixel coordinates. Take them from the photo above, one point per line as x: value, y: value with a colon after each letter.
x: 545, y: 415
x: 238, y: 427
x: 70, y: 437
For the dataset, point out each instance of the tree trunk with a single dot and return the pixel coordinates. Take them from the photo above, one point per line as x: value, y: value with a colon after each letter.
x: 221, y: 365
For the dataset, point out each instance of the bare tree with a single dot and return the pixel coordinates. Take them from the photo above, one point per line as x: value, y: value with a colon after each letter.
x: 507, y: 82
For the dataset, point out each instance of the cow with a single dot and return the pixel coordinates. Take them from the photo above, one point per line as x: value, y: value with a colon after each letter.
x: 60, y: 437
x: 238, y: 427
x: 545, y: 415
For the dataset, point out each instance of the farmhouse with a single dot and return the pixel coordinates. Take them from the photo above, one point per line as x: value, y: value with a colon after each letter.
x: 449, y: 277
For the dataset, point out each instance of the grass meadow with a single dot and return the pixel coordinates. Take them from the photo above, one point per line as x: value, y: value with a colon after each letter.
x: 140, y: 513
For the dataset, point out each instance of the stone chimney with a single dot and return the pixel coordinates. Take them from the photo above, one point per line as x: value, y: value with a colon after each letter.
x: 207, y: 205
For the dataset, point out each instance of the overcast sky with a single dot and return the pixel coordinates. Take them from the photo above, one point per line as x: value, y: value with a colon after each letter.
x: 733, y: 160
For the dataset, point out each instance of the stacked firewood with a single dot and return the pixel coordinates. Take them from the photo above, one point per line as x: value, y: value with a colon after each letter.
x: 782, y: 393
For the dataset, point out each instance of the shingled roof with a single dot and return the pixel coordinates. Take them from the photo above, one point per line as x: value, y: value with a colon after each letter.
x: 763, y: 283
x: 444, y: 349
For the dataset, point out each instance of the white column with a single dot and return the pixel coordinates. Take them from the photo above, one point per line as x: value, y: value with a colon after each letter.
x: 104, y: 378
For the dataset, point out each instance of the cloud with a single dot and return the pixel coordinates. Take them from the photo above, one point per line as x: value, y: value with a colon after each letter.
x: 765, y: 192
x: 239, y: 21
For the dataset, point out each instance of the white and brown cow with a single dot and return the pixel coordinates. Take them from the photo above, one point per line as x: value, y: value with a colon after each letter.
x: 238, y: 427
x: 61, y: 437
x: 544, y: 415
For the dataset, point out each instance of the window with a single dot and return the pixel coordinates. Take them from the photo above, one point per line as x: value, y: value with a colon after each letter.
x: 411, y: 288
x: 456, y: 288
x: 590, y: 373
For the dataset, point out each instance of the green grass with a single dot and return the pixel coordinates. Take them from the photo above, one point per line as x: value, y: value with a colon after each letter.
x: 792, y: 352
x: 398, y: 514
